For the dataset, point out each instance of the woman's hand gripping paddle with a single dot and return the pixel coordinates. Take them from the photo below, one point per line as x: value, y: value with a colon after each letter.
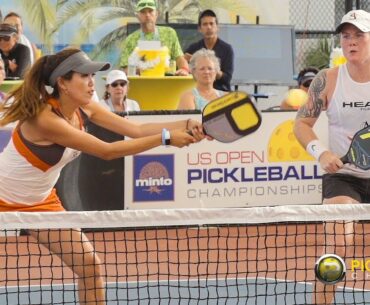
x: 359, y: 150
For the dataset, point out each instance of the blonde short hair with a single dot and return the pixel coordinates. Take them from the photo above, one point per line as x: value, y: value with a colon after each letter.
x: 204, y: 53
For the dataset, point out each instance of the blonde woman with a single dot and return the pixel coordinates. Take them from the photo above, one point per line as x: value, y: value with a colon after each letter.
x: 204, y: 65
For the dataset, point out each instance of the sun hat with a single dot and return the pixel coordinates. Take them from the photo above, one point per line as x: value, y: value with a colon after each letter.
x: 7, y: 29
x: 78, y: 62
x: 115, y: 75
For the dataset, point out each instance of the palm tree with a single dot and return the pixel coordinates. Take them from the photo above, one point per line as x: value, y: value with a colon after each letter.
x: 231, y: 8
x: 48, y: 18
x: 42, y: 15
x: 97, y: 13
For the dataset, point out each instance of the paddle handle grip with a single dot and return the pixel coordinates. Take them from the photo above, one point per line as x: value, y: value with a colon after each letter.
x: 191, y: 133
x: 345, y: 159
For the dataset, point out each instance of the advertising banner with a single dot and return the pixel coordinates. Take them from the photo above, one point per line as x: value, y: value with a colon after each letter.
x: 268, y: 167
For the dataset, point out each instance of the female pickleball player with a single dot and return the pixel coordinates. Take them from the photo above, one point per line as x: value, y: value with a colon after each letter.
x: 50, y: 133
x: 343, y: 92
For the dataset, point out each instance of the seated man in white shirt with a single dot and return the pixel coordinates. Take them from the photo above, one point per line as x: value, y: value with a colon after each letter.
x: 115, y: 95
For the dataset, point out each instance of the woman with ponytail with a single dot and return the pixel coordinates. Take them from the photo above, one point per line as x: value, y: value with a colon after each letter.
x: 50, y: 133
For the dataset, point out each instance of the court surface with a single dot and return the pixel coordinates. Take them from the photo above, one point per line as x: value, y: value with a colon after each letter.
x: 206, y: 292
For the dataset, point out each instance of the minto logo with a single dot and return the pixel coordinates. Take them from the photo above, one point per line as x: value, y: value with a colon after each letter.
x: 153, y: 178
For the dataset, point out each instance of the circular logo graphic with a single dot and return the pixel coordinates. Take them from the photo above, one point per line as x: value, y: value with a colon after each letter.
x: 330, y: 269
x: 283, y: 146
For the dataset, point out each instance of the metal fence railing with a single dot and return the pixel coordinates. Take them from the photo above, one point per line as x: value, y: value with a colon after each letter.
x: 315, y: 23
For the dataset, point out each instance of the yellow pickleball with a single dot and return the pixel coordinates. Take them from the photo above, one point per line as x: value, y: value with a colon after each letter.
x: 296, y: 98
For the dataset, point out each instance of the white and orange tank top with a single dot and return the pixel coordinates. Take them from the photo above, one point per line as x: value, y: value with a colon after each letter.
x: 28, y: 172
x: 348, y: 111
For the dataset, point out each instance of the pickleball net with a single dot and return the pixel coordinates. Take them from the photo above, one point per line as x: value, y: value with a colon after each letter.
x: 260, y: 255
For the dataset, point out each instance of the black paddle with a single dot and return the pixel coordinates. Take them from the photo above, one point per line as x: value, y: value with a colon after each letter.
x: 359, y: 150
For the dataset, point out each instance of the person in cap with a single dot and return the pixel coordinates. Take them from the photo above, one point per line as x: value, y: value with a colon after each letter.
x: 115, y: 95
x: 15, y: 19
x: 344, y: 92
x: 52, y: 106
x: 16, y: 56
x: 208, y: 27
x: 306, y: 76
x: 304, y: 79
x: 147, y: 14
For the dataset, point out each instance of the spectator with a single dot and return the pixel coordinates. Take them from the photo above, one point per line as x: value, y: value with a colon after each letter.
x: 147, y: 15
x: 115, y: 95
x: 16, y: 20
x: 208, y: 27
x: 16, y: 56
x: 204, y: 65
x: 304, y: 80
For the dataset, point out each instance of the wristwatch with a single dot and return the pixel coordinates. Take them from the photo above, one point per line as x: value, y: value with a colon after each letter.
x: 166, y: 137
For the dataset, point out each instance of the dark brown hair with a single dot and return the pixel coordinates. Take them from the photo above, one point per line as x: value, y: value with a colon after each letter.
x: 12, y: 14
x: 206, y: 13
x: 302, y: 73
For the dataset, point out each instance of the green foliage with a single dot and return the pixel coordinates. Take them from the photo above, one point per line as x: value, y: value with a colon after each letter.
x: 95, y: 13
x: 42, y: 15
x: 319, y: 56
x: 48, y: 16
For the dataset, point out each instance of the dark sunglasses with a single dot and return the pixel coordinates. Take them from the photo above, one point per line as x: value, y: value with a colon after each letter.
x: 115, y: 84
x: 5, y: 38
x: 307, y: 84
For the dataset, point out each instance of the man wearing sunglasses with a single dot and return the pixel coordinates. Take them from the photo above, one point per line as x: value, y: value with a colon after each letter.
x: 16, y: 56
x: 147, y: 15
x: 15, y: 19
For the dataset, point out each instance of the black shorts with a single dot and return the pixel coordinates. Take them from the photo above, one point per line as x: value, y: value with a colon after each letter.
x: 346, y: 185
